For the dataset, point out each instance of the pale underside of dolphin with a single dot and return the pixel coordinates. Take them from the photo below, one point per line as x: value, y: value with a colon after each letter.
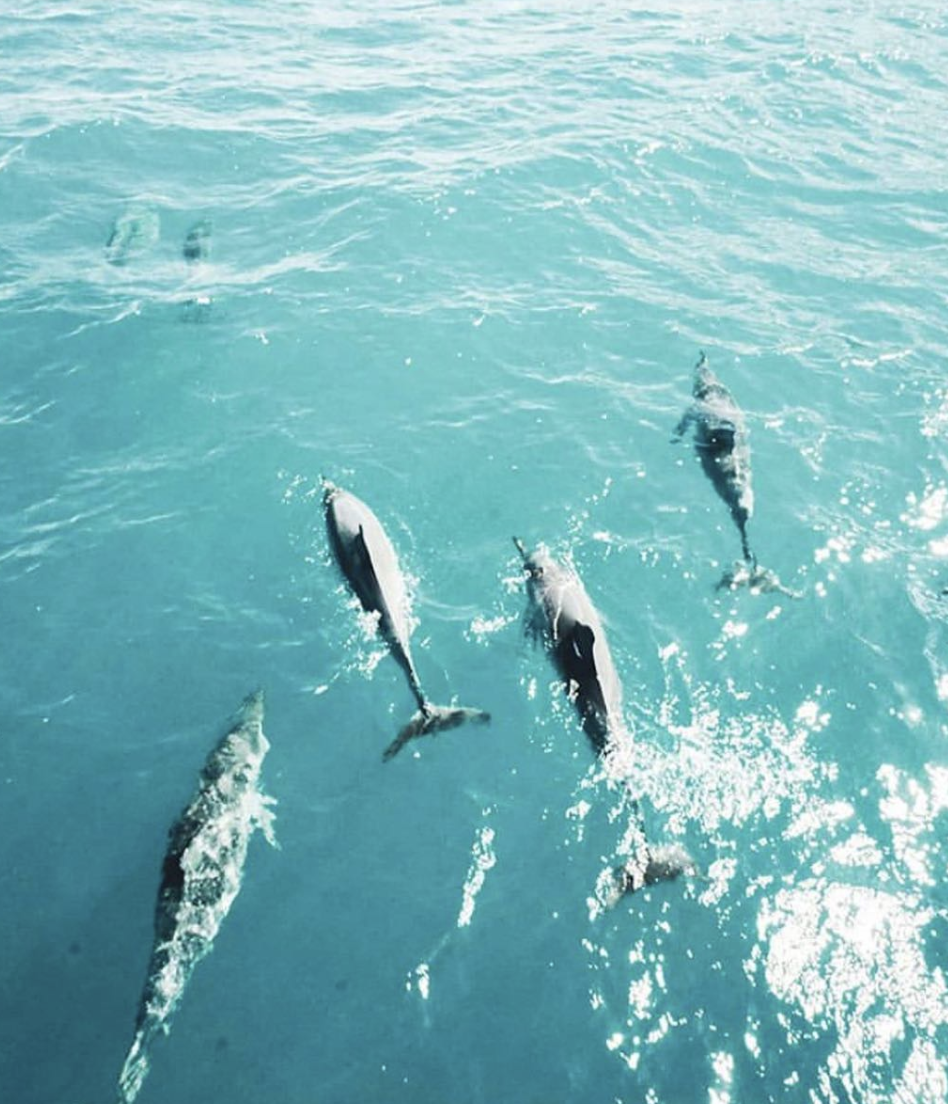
x: 367, y: 559
x: 201, y: 876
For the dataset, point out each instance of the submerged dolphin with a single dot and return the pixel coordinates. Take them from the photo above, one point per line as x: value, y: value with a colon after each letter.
x: 561, y: 611
x: 196, y: 250
x: 200, y: 878
x: 132, y: 232
x: 367, y: 559
x: 724, y: 451
x: 197, y: 243
x: 722, y: 447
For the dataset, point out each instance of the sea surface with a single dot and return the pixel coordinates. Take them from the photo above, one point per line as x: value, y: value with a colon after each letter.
x: 461, y: 258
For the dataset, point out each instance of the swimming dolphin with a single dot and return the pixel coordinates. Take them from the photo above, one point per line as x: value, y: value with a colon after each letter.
x: 196, y: 250
x: 561, y: 612
x: 197, y: 244
x: 200, y: 878
x: 132, y: 232
x: 367, y: 559
x: 722, y: 446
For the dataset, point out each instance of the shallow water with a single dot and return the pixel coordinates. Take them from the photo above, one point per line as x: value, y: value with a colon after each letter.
x: 463, y: 259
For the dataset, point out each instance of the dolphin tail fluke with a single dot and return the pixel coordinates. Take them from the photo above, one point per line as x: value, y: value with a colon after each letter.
x: 757, y: 578
x: 431, y: 719
x: 136, y: 1066
x: 664, y: 862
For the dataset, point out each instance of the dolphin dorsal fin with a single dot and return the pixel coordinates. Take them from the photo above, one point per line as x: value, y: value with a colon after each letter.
x: 584, y: 642
x: 361, y: 548
x: 724, y: 437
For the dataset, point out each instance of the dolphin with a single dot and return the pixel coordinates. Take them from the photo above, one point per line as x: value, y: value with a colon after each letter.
x: 196, y: 250
x: 132, y: 232
x: 722, y: 446
x: 200, y: 878
x: 721, y: 442
x: 197, y: 243
x: 367, y: 559
x: 561, y: 612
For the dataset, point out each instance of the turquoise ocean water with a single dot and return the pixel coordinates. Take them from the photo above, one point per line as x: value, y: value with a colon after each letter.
x: 463, y: 259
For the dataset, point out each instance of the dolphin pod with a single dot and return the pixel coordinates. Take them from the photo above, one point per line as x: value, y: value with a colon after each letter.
x: 200, y: 878
x: 561, y: 612
x: 138, y: 228
x: 203, y: 867
x: 367, y: 559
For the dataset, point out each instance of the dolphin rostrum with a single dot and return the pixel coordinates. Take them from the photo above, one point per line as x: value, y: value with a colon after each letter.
x: 200, y: 878
x: 561, y: 612
x: 368, y: 561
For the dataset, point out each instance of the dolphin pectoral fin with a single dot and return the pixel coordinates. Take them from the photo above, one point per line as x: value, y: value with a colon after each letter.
x: 682, y: 428
x: 431, y: 720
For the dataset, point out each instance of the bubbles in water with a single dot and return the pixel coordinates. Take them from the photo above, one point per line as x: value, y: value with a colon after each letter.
x: 850, y: 960
x: 483, y: 859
